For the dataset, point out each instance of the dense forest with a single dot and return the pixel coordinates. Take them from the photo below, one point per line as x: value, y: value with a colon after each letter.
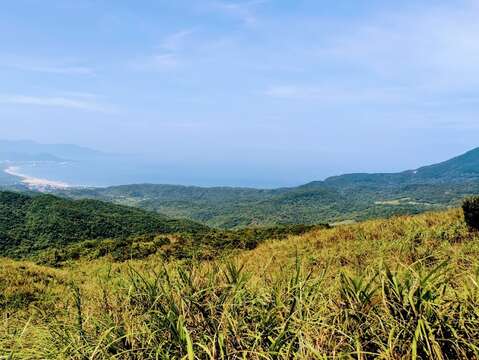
x: 29, y: 223
x: 52, y: 229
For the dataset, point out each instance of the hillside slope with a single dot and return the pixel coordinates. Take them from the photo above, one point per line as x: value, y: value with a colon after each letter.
x: 53, y: 230
x: 32, y: 223
x: 401, y: 288
x: 462, y: 168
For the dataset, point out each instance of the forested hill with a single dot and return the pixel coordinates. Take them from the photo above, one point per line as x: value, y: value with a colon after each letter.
x: 53, y: 230
x: 339, y: 198
x: 459, y: 169
x: 29, y: 223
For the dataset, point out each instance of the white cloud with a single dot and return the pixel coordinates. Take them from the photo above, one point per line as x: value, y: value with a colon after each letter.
x: 61, y: 67
x: 72, y: 70
x: 80, y: 94
x: 430, y: 47
x: 167, y: 58
x: 156, y: 62
x: 421, y: 56
x: 339, y: 95
x: 57, y: 101
x: 245, y: 11
x: 162, y: 61
x: 176, y: 41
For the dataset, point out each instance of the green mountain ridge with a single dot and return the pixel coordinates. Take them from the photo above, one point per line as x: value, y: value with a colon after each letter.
x: 338, y: 198
x: 458, y: 169
x: 53, y: 229
x: 31, y: 223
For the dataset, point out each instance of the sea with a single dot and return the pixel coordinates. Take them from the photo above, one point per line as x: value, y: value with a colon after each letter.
x: 121, y: 171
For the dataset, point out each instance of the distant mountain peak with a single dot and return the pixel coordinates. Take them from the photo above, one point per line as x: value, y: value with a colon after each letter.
x: 61, y: 151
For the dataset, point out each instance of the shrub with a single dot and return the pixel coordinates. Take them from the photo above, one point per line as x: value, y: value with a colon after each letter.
x: 470, y: 207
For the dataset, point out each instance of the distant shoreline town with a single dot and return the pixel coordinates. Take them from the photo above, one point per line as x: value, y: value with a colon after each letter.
x: 35, y: 183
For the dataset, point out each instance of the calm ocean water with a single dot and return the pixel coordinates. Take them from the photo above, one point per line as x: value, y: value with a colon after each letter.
x: 103, y: 173
x: 128, y: 171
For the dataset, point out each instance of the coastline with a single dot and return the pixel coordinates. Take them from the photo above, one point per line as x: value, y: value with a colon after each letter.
x: 35, y: 183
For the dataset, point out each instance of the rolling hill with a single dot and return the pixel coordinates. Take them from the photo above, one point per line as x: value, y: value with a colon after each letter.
x: 346, y: 197
x: 459, y: 169
x: 30, y: 223
x: 52, y: 230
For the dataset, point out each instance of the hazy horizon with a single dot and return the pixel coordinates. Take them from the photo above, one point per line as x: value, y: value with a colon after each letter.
x: 255, y: 93
x: 111, y: 169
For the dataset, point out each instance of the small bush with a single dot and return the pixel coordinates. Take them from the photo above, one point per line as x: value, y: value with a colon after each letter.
x: 470, y: 207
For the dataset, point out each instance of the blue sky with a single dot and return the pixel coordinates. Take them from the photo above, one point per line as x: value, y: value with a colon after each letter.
x: 272, y: 91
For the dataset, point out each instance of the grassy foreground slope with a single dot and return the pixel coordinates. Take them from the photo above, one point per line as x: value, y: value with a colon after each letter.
x: 403, y: 288
x: 346, y: 197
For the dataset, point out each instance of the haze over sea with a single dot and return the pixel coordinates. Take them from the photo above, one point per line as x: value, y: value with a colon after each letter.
x: 131, y: 170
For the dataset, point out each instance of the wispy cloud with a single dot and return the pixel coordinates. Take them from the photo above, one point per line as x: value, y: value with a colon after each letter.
x: 339, y: 95
x: 436, y: 46
x: 165, y: 61
x: 245, y: 11
x: 418, y: 56
x: 156, y: 62
x: 61, y: 67
x: 168, y: 55
x: 175, y: 41
x: 72, y: 70
x: 77, y: 103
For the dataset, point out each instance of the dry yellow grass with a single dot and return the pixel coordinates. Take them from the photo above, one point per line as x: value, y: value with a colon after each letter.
x: 39, y: 305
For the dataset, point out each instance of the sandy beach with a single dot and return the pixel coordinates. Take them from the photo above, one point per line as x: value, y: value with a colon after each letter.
x: 35, y: 183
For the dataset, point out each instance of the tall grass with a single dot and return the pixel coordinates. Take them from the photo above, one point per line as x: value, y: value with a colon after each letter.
x: 193, y: 313
x: 406, y: 288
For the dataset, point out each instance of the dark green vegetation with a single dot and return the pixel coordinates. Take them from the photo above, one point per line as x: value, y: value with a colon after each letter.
x: 32, y: 223
x: 470, y: 208
x: 53, y: 230
x: 205, y: 244
x: 347, y: 197
x: 404, y: 288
